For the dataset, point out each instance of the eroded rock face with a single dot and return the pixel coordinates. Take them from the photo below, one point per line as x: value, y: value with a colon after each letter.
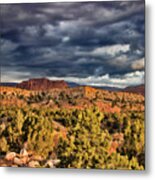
x: 10, y: 156
x: 42, y: 84
x: 18, y: 161
x: 33, y: 164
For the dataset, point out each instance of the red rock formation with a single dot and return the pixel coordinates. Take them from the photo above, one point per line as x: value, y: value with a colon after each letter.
x: 41, y: 84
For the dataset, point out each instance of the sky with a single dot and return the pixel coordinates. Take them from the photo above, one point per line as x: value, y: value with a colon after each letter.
x: 91, y: 43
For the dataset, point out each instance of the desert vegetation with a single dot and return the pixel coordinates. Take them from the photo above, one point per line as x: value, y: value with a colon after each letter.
x: 78, y: 127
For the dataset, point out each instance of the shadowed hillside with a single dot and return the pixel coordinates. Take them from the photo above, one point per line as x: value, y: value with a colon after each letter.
x: 136, y: 89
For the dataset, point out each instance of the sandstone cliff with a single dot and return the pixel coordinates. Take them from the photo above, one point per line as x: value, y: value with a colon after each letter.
x: 42, y: 84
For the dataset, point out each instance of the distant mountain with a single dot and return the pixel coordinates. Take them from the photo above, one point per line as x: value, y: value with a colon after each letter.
x: 72, y: 84
x: 46, y: 84
x: 26, y: 85
x: 41, y: 84
x: 108, y: 88
x: 10, y: 84
x: 140, y: 89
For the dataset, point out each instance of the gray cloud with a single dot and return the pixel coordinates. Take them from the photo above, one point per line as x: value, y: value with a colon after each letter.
x: 72, y: 39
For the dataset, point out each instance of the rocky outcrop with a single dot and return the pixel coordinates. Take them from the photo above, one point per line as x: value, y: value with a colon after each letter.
x: 10, y: 156
x: 41, y: 84
x: 27, y: 159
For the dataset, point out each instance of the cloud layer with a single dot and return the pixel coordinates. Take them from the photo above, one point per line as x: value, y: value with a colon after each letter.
x: 78, y: 40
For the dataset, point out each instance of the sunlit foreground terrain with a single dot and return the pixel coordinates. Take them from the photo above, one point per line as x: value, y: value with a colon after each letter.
x: 79, y: 127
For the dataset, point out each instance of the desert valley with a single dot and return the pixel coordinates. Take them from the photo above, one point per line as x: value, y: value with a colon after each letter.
x: 46, y: 123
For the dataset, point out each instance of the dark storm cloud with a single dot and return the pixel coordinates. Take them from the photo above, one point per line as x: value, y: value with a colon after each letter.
x: 72, y: 39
